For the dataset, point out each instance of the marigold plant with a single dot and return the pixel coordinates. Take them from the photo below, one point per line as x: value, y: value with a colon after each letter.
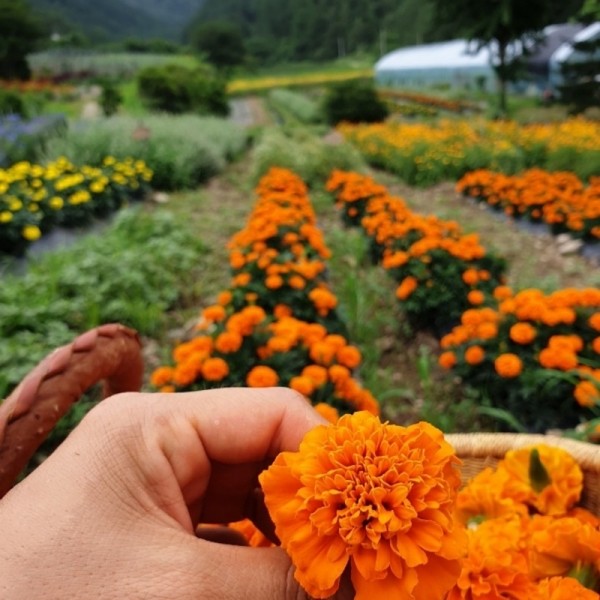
x: 540, y: 361
x: 277, y: 324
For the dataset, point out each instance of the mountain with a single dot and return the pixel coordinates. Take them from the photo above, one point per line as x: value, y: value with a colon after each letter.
x: 104, y: 20
x: 279, y: 30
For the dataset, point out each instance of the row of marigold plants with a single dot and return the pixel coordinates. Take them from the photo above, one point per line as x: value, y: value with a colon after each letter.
x: 424, y: 154
x: 559, y: 199
x: 532, y: 355
x: 34, y: 198
x: 277, y: 323
x: 429, y: 101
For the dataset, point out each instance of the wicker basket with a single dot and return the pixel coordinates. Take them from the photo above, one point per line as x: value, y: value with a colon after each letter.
x: 480, y: 450
x: 110, y: 353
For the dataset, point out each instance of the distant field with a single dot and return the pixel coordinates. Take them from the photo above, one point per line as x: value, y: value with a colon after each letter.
x: 118, y: 64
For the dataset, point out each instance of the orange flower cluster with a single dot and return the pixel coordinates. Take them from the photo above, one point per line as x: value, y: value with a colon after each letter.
x: 277, y: 323
x: 374, y: 497
x: 532, y: 352
x: 559, y: 199
x: 457, y: 106
x: 440, y: 271
x: 37, y: 86
x: 527, y: 537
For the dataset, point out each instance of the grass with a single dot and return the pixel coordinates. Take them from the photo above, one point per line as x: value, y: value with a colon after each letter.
x: 131, y: 102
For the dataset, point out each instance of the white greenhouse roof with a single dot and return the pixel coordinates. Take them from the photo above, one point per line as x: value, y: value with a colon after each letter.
x: 565, y: 50
x: 452, y: 54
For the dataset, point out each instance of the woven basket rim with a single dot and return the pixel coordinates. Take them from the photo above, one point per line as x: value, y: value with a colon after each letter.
x: 496, y: 445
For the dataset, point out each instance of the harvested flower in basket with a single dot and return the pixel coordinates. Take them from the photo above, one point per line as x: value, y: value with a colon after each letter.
x: 527, y: 536
x: 374, y: 498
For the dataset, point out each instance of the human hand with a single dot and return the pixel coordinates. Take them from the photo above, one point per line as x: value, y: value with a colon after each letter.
x: 111, y: 514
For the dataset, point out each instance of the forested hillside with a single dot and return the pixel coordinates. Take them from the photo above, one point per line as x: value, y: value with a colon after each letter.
x: 323, y: 29
x: 117, y: 19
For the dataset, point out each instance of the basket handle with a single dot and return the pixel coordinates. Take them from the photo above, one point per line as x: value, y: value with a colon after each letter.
x: 109, y: 353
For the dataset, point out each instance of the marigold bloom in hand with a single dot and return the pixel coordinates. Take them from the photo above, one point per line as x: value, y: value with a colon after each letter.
x: 376, y: 497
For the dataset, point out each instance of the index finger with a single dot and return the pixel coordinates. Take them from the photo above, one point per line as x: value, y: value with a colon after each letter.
x: 210, y: 446
x: 242, y: 430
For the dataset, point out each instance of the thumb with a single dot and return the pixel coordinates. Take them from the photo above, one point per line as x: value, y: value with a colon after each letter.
x: 237, y: 572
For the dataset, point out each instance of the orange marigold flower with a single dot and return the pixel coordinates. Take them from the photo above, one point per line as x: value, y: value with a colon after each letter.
x: 254, y: 536
x: 317, y: 373
x: 376, y: 496
x: 563, y: 588
x: 508, y: 365
x: 594, y: 321
x: 502, y: 292
x: 215, y: 313
x: 241, y: 280
x: 407, y: 286
x: 470, y: 276
x: 296, y: 282
x: 596, y: 345
x: 302, y: 384
x: 282, y: 310
x: 522, y: 333
x: 274, y: 282
x: 495, y: 567
x: 161, y: 376
x: 228, y: 341
x: 586, y: 394
x: 560, y: 546
x: 349, y: 356
x: 487, y: 330
x: 323, y: 299
x: 476, y: 297
x: 447, y: 359
x: 338, y: 373
x: 327, y: 411
x: 558, y: 358
x: 224, y: 298
x: 322, y: 353
x: 262, y: 376
x: 474, y: 355
x: 215, y: 369
x: 484, y: 498
x: 545, y: 477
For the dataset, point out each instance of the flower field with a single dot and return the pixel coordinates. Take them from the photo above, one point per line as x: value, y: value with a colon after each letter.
x: 424, y: 154
x: 277, y: 323
x: 526, y: 352
x: 559, y: 199
x: 36, y: 198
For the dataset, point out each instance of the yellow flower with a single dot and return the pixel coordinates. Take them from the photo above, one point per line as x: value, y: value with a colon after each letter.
x: 376, y: 496
x: 31, y: 233
x: 6, y: 216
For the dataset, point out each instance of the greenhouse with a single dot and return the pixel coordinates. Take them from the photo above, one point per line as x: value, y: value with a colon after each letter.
x: 459, y: 64
x: 455, y: 63
x: 566, y: 53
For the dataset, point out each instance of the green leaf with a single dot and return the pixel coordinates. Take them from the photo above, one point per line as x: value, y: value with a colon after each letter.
x: 538, y: 475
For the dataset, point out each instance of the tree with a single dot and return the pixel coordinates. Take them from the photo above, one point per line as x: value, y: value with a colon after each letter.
x: 501, y: 25
x: 19, y: 34
x: 220, y: 42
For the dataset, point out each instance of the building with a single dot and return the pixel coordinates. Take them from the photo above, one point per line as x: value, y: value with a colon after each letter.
x: 458, y: 63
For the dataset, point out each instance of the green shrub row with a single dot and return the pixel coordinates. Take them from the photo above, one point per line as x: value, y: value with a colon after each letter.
x: 68, y: 291
x: 182, y: 151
